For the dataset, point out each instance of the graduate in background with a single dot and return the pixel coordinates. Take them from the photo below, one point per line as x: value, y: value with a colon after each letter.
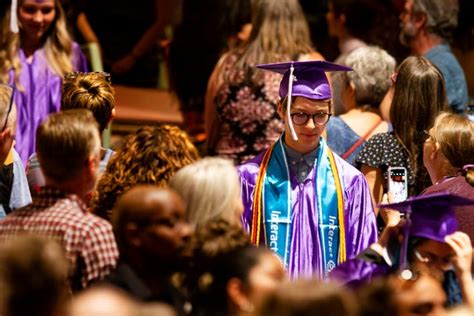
x: 427, y: 240
x: 300, y: 199
x: 35, y: 52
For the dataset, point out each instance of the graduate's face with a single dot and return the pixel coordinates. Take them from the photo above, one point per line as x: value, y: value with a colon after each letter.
x: 35, y: 17
x: 310, y: 132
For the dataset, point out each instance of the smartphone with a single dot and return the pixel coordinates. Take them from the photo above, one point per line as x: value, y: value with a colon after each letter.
x: 397, y: 183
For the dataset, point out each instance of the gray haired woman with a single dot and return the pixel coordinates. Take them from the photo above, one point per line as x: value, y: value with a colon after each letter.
x: 361, y: 92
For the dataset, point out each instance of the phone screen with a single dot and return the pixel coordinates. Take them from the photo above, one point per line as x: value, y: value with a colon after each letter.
x: 397, y: 183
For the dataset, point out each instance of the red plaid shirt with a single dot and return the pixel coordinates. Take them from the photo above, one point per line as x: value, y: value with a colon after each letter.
x: 88, y: 240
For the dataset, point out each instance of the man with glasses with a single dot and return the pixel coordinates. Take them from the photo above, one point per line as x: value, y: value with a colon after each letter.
x: 302, y: 200
x: 14, y: 190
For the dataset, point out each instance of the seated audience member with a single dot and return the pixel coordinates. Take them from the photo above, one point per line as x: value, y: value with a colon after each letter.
x: 89, y: 90
x: 152, y: 232
x: 33, y: 277
x: 68, y: 148
x: 448, y: 155
x: 310, y: 297
x: 14, y: 190
x: 419, y: 95
x: 432, y: 242
x: 211, y: 189
x: 240, y: 115
x: 362, y: 91
x: 230, y: 276
x: 152, y: 155
x: 102, y: 301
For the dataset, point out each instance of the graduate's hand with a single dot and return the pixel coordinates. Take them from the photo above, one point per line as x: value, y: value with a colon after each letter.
x: 391, y: 217
x: 462, y: 260
x: 6, y: 143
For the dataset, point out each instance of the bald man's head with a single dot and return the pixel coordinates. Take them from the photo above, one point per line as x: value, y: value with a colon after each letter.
x: 150, y: 221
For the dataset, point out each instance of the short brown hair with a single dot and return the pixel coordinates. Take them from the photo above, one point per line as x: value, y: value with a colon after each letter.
x: 64, y: 141
x: 92, y: 91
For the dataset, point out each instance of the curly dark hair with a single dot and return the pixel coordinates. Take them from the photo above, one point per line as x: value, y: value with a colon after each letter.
x: 152, y: 155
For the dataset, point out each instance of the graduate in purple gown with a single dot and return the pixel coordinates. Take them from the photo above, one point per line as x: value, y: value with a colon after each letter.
x: 38, y: 52
x: 432, y: 242
x: 302, y: 200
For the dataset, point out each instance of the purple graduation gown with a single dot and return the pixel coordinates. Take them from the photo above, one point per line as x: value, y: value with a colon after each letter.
x: 41, y: 95
x: 305, y: 251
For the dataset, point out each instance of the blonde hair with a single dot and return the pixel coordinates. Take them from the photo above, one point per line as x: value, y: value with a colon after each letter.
x: 4, y: 104
x: 57, y: 46
x: 455, y: 135
x: 64, y: 142
x: 210, y: 187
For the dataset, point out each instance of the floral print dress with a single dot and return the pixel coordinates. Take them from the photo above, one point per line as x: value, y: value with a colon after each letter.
x: 246, y: 104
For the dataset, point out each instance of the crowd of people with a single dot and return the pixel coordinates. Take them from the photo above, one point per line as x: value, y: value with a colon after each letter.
x: 291, y: 207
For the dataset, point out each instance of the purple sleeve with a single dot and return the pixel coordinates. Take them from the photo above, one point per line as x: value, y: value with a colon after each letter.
x: 360, y: 216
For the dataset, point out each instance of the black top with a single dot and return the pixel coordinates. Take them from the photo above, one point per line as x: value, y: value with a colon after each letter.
x: 126, y: 279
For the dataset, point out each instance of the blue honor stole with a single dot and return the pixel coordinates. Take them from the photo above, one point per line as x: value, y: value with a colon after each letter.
x: 277, y: 207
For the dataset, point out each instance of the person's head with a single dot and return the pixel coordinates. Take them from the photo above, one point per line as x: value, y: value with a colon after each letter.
x: 449, y: 149
x: 310, y: 297
x: 368, y: 84
x: 211, y: 189
x: 419, y: 95
x: 150, y: 227
x: 350, y: 18
x: 420, y: 295
x: 33, y: 277
x: 306, y: 96
x: 279, y: 28
x: 68, y: 148
x: 435, y: 17
x: 230, y: 275
x: 152, y: 155
x: 92, y: 91
x: 101, y: 300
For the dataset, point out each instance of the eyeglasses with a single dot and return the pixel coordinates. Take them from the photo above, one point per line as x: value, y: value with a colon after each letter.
x: 319, y: 118
x: 74, y: 74
x: 11, y: 91
x: 432, y: 259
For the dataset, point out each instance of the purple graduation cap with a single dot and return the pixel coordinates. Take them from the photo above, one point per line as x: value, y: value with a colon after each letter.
x: 305, y: 79
x: 429, y: 216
